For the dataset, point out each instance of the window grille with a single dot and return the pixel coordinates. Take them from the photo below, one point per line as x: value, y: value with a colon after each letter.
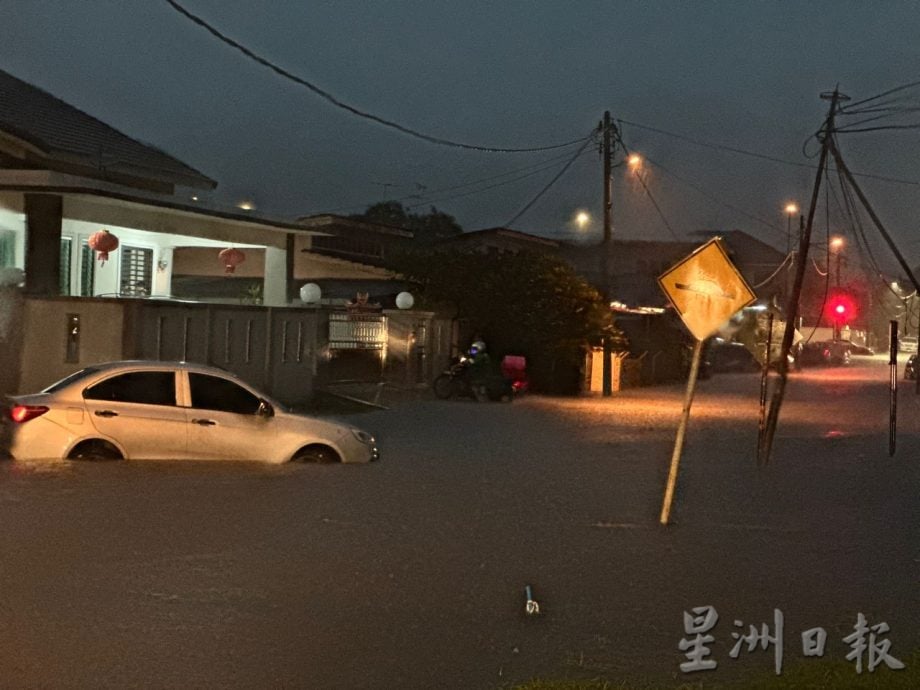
x: 136, y: 272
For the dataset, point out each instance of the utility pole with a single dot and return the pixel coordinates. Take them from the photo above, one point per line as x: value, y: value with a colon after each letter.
x: 805, y: 228
x: 606, y: 372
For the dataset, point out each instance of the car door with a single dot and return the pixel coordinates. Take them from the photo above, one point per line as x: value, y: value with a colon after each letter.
x: 138, y: 409
x: 224, y: 420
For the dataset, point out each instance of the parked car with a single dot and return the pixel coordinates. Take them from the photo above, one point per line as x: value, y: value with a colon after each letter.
x: 910, y: 369
x: 171, y: 410
x: 907, y: 343
x: 824, y: 353
x: 725, y: 357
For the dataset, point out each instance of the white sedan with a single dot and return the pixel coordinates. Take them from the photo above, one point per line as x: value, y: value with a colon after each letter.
x: 170, y: 410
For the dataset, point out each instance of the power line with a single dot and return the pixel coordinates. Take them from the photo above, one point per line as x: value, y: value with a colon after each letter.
x: 548, y: 185
x: 648, y: 191
x: 896, y: 89
x: 493, y: 186
x: 718, y: 147
x: 761, y: 156
x: 715, y: 199
x: 430, y: 196
x: 349, y: 108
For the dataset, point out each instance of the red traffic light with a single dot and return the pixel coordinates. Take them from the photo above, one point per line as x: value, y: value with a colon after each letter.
x: 841, y: 308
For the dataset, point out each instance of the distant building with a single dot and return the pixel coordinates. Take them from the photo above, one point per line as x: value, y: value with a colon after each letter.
x: 499, y: 241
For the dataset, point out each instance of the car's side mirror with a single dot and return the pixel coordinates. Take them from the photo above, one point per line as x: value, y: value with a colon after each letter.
x: 265, y: 409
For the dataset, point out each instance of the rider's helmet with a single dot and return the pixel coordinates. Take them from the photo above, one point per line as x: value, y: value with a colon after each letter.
x: 478, y: 347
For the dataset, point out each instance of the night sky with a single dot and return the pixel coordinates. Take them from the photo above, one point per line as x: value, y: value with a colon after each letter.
x: 743, y: 75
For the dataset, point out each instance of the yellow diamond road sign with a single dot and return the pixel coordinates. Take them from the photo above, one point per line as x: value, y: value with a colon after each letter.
x: 706, y: 289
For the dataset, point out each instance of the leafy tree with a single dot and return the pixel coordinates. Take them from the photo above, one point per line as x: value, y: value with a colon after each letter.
x: 530, y: 304
x: 428, y: 227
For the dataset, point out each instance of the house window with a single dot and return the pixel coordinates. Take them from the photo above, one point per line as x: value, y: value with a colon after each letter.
x: 7, y: 248
x: 136, y: 271
x: 87, y: 269
x: 64, y: 270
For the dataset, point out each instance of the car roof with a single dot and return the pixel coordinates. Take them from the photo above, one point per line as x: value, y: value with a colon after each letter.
x: 159, y: 364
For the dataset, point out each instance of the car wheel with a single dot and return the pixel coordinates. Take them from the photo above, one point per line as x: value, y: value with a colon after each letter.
x: 321, y: 455
x: 96, y: 449
x: 444, y: 388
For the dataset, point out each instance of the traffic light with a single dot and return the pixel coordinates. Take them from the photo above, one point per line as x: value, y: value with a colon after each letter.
x: 841, y: 308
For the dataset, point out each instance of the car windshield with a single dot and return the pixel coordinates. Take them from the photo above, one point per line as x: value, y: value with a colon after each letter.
x: 67, y: 380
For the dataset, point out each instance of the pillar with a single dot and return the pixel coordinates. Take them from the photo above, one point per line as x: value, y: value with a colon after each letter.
x: 44, y: 215
x: 274, y: 288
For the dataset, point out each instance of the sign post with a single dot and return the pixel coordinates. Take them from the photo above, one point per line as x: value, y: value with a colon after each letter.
x: 705, y: 289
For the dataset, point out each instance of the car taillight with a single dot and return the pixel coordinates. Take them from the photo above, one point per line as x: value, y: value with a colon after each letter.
x: 23, y: 413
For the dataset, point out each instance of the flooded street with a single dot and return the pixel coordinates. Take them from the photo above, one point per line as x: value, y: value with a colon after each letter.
x: 410, y: 573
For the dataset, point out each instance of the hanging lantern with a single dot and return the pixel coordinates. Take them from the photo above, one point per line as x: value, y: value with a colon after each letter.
x: 103, y: 242
x: 231, y: 258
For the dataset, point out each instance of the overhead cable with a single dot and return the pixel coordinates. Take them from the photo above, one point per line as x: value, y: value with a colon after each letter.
x: 754, y: 154
x: 349, y: 108
x: 429, y: 197
x: 548, y: 185
x: 649, y: 192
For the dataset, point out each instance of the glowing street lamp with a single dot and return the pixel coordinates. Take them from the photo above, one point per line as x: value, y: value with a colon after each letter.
x: 837, y: 243
x: 634, y: 161
x: 582, y: 219
x: 791, y: 209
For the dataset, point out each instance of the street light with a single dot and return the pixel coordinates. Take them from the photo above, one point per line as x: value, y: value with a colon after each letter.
x: 634, y: 161
x: 582, y: 219
x: 837, y: 243
x: 791, y: 209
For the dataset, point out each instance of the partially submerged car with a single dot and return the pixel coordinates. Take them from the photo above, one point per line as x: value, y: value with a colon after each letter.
x: 170, y: 410
x: 824, y: 353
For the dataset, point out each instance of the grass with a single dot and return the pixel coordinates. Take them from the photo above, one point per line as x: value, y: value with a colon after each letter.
x: 805, y: 674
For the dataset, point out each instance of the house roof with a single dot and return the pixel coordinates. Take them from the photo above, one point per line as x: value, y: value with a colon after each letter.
x: 479, y: 235
x: 330, y: 222
x: 54, y: 132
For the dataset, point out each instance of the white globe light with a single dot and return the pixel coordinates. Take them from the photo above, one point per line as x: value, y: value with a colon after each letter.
x: 311, y: 293
x: 405, y: 300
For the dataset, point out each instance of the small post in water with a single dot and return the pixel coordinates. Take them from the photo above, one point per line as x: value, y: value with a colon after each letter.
x: 893, y: 387
x: 765, y: 375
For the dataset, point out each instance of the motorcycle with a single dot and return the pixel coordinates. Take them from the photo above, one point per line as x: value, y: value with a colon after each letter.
x: 458, y: 381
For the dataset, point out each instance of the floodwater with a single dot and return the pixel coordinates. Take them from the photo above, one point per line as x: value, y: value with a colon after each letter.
x: 410, y: 573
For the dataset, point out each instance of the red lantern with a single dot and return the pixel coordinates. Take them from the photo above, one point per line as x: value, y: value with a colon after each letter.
x: 103, y: 242
x: 231, y: 258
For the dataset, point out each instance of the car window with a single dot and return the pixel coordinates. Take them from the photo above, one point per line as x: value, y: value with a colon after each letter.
x: 67, y: 380
x: 145, y: 387
x: 215, y: 393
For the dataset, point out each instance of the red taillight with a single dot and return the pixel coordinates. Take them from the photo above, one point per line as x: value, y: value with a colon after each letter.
x: 23, y: 413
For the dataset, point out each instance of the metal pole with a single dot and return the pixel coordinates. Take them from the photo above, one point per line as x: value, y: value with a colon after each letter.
x: 893, y: 386
x: 606, y: 373
x: 917, y: 360
x: 681, y: 432
x: 763, y: 390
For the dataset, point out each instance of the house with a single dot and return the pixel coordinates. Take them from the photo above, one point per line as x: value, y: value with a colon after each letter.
x: 66, y: 176
x: 498, y: 240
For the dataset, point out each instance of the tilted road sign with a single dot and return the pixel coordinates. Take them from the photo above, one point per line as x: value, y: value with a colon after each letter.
x: 706, y: 289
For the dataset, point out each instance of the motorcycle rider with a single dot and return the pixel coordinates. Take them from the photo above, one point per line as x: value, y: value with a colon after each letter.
x: 480, y: 368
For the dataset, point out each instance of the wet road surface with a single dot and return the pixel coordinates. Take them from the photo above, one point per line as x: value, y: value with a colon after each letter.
x: 410, y: 573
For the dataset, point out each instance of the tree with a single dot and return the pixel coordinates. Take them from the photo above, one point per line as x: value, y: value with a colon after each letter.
x: 428, y: 227
x: 530, y: 304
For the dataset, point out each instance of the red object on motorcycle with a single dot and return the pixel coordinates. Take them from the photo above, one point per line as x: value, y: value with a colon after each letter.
x: 514, y: 369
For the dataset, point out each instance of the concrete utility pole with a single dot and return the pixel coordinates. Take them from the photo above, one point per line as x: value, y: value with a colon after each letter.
x: 606, y: 372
